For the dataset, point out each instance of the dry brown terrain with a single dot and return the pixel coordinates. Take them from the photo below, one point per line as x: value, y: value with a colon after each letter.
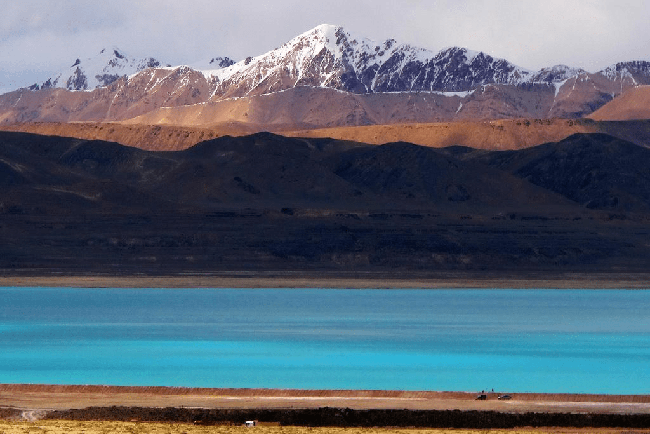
x: 307, y: 107
x: 506, y: 134
x: 39, y: 397
x: 182, y: 98
x: 99, y: 427
x: 301, y: 279
x: 503, y: 134
x: 31, y: 408
x: 632, y: 104
x: 147, y: 137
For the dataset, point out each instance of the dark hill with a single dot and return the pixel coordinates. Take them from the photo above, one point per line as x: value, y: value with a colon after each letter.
x: 595, y: 170
x: 267, y: 170
x: 57, y: 175
x: 274, y: 204
x: 262, y: 169
x: 407, y: 172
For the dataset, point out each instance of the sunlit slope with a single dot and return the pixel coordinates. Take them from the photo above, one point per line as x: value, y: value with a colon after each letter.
x: 507, y: 134
x: 633, y: 104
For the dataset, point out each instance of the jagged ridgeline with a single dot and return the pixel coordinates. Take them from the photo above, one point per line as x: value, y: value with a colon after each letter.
x: 454, y: 83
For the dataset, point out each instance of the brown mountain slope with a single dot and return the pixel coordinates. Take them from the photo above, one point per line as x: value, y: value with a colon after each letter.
x: 147, y: 137
x: 501, y: 134
x: 582, y: 94
x: 633, y: 104
x: 306, y: 107
x: 122, y: 99
x: 182, y: 98
x: 493, y: 135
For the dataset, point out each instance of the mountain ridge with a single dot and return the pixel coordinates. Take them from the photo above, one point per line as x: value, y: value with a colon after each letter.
x: 105, y: 68
x: 461, y: 84
x: 370, y: 61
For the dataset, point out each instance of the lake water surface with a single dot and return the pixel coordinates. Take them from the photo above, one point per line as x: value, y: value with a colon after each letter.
x: 579, y: 341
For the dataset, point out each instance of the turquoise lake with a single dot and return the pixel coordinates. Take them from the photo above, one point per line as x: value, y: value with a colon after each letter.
x: 582, y: 341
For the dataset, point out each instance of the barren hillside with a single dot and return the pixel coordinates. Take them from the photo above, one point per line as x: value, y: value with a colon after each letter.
x: 492, y: 135
x: 147, y: 137
x: 633, y: 104
x: 501, y: 134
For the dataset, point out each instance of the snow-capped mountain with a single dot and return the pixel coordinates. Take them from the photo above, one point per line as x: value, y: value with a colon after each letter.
x: 455, y: 83
x: 213, y: 63
x: 638, y: 72
x: 555, y: 74
x: 329, y: 56
x: 101, y: 70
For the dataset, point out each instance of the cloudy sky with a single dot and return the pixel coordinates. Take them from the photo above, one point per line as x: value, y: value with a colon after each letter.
x: 39, y: 37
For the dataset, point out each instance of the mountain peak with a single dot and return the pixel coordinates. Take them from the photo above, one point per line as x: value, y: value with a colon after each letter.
x: 330, y: 56
x: 469, y: 55
x: 556, y: 74
x: 323, y: 36
x: 324, y: 29
x: 629, y: 74
x: 107, y: 66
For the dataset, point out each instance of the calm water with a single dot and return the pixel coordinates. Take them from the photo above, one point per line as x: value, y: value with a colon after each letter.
x: 526, y: 340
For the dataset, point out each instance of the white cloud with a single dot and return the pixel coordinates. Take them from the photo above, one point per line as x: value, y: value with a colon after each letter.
x: 534, y: 34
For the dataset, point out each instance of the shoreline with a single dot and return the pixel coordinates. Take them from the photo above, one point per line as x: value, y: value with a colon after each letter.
x: 362, y: 409
x: 67, y: 397
x: 302, y: 280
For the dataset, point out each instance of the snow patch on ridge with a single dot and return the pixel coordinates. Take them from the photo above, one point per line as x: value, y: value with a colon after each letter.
x: 558, y: 85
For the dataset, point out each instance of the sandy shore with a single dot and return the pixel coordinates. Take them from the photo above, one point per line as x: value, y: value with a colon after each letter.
x: 296, y: 279
x: 101, y: 427
x: 37, y: 397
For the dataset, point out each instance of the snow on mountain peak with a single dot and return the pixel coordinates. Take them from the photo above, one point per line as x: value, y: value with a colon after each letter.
x: 637, y: 72
x: 103, y: 69
x: 331, y: 56
x: 324, y: 30
x: 469, y: 55
x: 556, y: 74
